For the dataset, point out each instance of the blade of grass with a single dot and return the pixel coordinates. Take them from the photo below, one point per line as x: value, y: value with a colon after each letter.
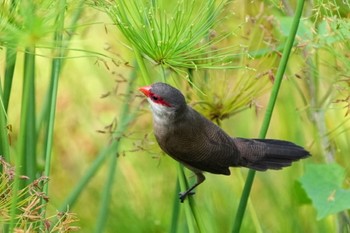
x: 267, y: 118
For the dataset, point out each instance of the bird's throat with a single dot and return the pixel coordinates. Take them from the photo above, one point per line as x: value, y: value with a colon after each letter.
x: 162, y: 115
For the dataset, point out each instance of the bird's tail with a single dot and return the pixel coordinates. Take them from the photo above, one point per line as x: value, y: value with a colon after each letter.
x: 263, y: 154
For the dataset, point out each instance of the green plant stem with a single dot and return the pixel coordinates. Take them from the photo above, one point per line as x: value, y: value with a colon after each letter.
x: 57, y: 64
x: 103, y: 214
x: 4, y: 140
x: 29, y: 155
x: 25, y: 137
x: 142, y: 66
x: 197, y: 216
x: 106, y: 196
x: 252, y: 211
x: 176, y: 209
x: 187, y: 207
x: 271, y: 104
x: 126, y: 118
x: 72, y: 198
x: 11, y: 55
x: 4, y: 102
x: 27, y: 132
x: 108, y: 151
x: 68, y: 33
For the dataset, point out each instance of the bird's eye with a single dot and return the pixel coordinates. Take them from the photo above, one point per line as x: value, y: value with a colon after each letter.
x: 158, y: 100
x: 154, y: 98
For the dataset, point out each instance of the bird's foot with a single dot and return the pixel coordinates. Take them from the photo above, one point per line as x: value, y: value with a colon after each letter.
x: 183, y: 195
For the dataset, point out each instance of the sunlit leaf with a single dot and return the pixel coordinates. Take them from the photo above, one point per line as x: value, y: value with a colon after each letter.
x: 323, y: 184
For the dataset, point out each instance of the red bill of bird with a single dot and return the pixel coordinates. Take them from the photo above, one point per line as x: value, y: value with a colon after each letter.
x: 202, y: 146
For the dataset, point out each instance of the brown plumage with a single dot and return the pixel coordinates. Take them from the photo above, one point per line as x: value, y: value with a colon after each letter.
x: 200, y: 145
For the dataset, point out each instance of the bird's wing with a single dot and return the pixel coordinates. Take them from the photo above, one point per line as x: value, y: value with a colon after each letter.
x: 204, y: 146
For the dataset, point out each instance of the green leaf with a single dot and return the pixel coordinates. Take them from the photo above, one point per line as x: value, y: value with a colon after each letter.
x: 303, y: 32
x: 323, y: 185
x: 299, y: 194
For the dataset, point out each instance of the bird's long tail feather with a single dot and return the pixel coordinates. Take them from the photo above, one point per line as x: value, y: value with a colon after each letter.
x: 263, y: 154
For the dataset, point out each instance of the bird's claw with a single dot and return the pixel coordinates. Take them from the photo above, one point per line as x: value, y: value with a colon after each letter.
x: 183, y: 195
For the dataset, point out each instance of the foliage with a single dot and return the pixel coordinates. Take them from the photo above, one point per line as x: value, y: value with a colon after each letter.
x: 323, y: 183
x: 29, y: 211
x: 175, y: 40
x: 56, y: 57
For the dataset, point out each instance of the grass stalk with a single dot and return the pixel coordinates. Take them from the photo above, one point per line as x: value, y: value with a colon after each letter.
x: 106, y: 196
x: 11, y: 55
x: 252, y: 211
x: 191, y: 224
x: 4, y: 139
x: 60, y: 53
x: 176, y: 210
x: 29, y: 154
x: 197, y: 216
x: 57, y: 64
x: 269, y: 110
x: 4, y: 102
x: 142, y: 66
x: 26, y: 141
x: 103, y: 214
x: 79, y: 188
x: 126, y: 117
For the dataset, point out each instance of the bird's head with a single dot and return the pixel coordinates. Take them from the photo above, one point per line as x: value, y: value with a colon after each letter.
x: 164, y: 99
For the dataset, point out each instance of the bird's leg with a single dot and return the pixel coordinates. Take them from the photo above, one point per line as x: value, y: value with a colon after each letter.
x: 200, y: 179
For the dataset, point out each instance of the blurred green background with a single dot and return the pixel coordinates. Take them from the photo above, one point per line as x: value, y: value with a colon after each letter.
x: 98, y: 70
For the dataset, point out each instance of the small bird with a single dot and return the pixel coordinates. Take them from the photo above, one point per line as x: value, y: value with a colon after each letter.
x: 202, y: 146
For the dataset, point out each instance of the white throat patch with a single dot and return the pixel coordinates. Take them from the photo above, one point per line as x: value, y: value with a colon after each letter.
x: 161, y: 114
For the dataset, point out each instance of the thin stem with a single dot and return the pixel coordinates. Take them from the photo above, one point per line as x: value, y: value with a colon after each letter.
x: 176, y: 209
x: 142, y: 66
x: 103, y: 213
x: 25, y: 139
x: 279, y: 75
x: 11, y: 55
x: 57, y: 64
x: 89, y: 174
x: 126, y: 118
x: 187, y: 207
x: 4, y: 140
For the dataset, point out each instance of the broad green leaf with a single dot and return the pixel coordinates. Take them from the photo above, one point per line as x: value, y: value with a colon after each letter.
x: 323, y: 185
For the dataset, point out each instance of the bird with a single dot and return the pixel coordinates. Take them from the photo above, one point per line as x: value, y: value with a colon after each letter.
x: 202, y: 146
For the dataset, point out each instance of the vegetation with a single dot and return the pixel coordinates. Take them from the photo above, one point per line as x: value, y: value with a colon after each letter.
x: 76, y: 143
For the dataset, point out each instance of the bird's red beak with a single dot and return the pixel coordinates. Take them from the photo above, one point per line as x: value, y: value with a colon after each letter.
x: 145, y: 90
